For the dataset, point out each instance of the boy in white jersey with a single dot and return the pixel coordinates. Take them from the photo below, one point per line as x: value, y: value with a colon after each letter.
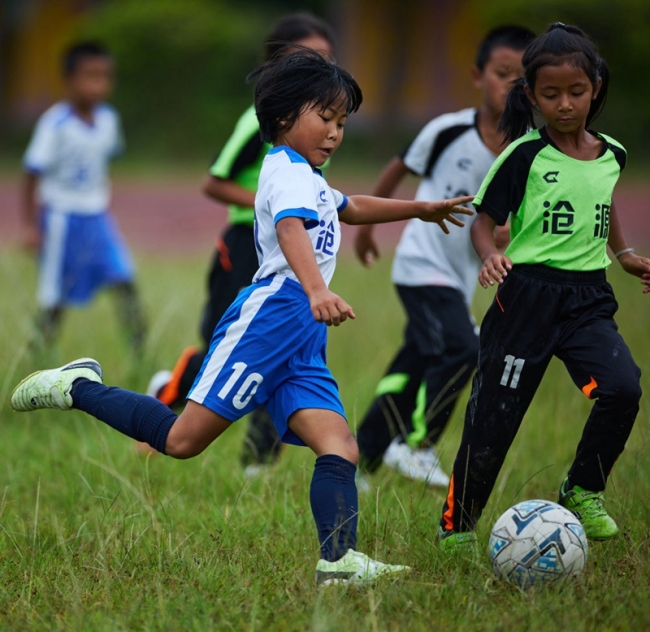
x: 269, y: 347
x: 66, y: 197
x: 435, y: 275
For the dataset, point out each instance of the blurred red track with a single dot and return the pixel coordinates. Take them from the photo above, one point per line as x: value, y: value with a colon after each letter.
x: 173, y: 217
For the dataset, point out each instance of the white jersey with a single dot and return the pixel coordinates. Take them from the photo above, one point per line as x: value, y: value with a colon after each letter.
x: 452, y: 160
x: 71, y: 158
x: 289, y: 187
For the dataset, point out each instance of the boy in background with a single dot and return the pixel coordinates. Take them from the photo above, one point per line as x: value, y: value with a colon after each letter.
x: 66, y: 196
x: 435, y: 274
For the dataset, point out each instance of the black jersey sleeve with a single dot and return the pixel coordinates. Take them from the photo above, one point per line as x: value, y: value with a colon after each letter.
x: 504, y: 187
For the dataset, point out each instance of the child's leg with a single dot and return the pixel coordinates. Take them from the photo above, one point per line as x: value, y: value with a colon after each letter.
x: 48, y: 324
x: 448, y: 369
x: 390, y: 413
x: 262, y: 444
x: 146, y: 419
x: 513, y: 357
x: 129, y: 312
x: 333, y: 493
x: 601, y: 365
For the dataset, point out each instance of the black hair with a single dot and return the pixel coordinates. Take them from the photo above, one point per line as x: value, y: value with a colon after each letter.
x: 509, y: 36
x: 294, y: 27
x: 559, y: 44
x: 288, y: 84
x: 79, y: 51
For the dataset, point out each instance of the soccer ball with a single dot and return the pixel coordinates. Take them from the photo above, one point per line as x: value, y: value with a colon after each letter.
x: 537, y: 542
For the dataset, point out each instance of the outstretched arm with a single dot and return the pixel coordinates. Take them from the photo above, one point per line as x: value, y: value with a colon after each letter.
x: 631, y: 263
x: 495, y: 265
x: 364, y: 242
x: 365, y: 209
x: 327, y: 307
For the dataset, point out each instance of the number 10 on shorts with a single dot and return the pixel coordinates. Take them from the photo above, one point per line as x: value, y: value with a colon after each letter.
x: 248, y: 388
x: 512, y: 371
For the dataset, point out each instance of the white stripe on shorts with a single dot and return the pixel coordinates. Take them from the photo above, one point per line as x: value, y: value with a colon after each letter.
x: 233, y: 335
x: 51, y: 265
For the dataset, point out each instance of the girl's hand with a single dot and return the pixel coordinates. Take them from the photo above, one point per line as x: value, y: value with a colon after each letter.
x: 637, y: 266
x: 329, y: 308
x: 495, y: 268
x: 438, y: 212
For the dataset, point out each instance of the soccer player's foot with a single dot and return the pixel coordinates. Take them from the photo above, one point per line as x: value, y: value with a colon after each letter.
x: 588, y: 508
x: 416, y: 464
x: 158, y: 382
x: 363, y: 482
x: 255, y: 470
x: 355, y: 568
x: 170, y: 393
x: 51, y: 388
x: 462, y: 542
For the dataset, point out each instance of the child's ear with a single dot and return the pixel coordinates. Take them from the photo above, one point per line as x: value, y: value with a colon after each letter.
x: 530, y: 95
x: 477, y: 76
x: 597, y: 87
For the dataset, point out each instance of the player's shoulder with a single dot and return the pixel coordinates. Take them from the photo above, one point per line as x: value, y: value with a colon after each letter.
x: 612, y: 142
x: 463, y: 118
x: 525, y: 147
x: 282, y: 155
x: 247, y: 124
x: 283, y: 164
x: 56, y: 115
x: 620, y: 153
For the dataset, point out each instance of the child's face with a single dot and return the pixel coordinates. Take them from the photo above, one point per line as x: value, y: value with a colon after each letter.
x: 319, y: 44
x: 564, y: 95
x: 91, y: 81
x: 501, y: 69
x: 316, y: 134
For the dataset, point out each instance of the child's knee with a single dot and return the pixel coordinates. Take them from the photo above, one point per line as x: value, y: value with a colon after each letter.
x: 349, y: 449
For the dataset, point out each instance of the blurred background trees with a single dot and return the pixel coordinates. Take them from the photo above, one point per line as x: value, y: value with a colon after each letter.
x: 181, y: 65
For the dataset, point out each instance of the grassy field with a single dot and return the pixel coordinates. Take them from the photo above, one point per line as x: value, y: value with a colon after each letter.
x: 95, y: 537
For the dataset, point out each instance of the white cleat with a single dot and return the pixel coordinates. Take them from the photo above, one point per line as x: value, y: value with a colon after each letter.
x: 363, y: 482
x: 156, y: 383
x: 51, y: 388
x: 418, y: 465
x: 355, y: 568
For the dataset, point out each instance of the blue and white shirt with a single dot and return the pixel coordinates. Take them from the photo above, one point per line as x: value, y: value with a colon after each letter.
x: 289, y: 187
x: 71, y: 158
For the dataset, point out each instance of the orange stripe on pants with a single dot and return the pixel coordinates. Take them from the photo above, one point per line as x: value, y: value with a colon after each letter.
x: 448, y: 516
x: 588, y: 388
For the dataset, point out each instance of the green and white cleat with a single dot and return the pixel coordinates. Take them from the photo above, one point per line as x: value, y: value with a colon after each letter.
x: 588, y: 507
x: 51, y: 388
x: 461, y: 542
x: 355, y: 568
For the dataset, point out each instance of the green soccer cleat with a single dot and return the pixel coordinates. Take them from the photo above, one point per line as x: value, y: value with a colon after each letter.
x: 51, y: 388
x: 588, y: 508
x: 355, y: 568
x: 462, y: 542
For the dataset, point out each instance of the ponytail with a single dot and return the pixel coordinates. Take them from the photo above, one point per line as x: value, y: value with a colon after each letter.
x: 598, y: 103
x: 517, y: 117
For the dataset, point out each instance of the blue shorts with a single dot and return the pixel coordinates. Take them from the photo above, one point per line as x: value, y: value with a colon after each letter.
x: 268, y: 349
x: 79, y: 255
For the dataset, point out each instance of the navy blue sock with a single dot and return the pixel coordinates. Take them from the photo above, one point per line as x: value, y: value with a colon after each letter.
x: 137, y: 416
x: 335, y: 505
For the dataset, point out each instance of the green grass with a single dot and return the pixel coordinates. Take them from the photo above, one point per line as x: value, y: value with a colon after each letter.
x: 94, y: 537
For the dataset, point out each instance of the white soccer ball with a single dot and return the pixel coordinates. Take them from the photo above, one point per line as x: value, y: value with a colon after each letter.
x: 537, y: 542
